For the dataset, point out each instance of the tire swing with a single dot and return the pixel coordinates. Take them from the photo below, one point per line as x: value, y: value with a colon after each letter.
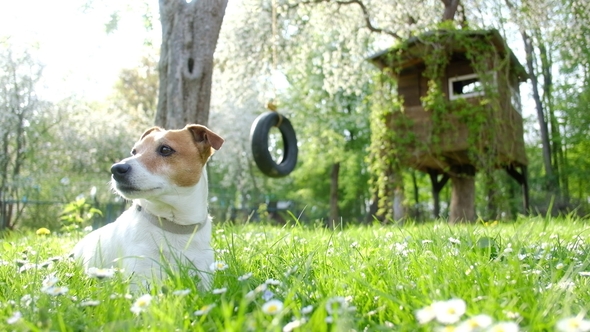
x: 264, y: 122
x: 259, y: 141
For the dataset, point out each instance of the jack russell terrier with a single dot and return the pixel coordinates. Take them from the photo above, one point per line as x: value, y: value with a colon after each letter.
x: 168, y: 223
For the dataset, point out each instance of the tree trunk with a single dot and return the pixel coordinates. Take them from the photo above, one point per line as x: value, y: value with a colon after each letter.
x: 334, y: 213
x: 450, y: 9
x: 529, y: 50
x: 462, y: 194
x: 189, y: 37
x: 437, y: 186
x: 399, y: 212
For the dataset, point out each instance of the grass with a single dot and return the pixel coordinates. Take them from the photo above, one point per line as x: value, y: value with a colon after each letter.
x: 359, y: 278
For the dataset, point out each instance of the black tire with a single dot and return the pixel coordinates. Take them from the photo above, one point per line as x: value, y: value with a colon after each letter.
x: 259, y: 142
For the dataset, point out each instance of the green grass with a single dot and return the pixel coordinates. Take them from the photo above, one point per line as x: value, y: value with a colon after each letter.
x: 371, y: 278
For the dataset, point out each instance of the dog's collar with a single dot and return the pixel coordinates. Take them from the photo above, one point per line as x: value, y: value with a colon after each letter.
x: 167, y: 225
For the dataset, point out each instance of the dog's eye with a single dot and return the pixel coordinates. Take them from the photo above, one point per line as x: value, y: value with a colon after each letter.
x: 133, y: 152
x: 165, y: 150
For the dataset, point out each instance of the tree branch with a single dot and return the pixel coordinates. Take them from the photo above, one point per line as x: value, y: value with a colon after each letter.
x: 364, y: 9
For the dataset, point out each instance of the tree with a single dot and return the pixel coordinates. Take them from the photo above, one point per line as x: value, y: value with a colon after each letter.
x: 20, y: 112
x: 189, y: 36
x: 136, y: 92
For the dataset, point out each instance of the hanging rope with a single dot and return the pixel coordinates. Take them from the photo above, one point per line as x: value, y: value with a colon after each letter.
x: 263, y: 123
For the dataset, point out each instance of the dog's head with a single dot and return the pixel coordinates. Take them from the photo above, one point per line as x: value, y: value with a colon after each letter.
x: 165, y: 160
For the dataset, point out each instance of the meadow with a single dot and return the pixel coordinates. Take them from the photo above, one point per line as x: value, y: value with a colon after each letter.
x: 530, y: 275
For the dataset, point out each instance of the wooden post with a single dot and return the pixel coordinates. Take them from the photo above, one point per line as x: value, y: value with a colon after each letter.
x: 437, y: 185
x: 462, y: 194
x: 522, y: 179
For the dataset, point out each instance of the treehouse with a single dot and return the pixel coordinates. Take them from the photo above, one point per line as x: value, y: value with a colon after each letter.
x: 459, y: 111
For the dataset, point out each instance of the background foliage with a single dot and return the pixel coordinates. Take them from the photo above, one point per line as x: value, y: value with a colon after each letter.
x: 314, y: 68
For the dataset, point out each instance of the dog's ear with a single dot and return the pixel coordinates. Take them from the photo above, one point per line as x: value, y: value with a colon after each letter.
x: 149, y: 131
x: 203, y: 134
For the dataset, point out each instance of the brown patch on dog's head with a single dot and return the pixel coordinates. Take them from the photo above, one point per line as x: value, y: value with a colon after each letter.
x: 179, y: 155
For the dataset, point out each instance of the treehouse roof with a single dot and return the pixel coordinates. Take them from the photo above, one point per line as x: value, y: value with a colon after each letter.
x: 411, y: 52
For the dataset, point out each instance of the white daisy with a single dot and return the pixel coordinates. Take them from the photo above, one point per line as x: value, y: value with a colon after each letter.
x: 272, y: 307
x: 49, y: 281
x: 454, y: 240
x: 204, y: 310
x: 425, y: 314
x: 97, y: 273
x: 272, y: 282
x: 449, y: 312
x: 16, y: 316
x: 338, y: 305
x: 218, y: 266
x: 181, y: 292
x: 293, y: 325
x: 504, y: 327
x: 141, y: 304
x: 55, y: 290
x: 475, y: 323
x: 245, y: 276
x: 219, y: 290
x: 307, y: 310
x: 573, y: 324
x: 89, y: 303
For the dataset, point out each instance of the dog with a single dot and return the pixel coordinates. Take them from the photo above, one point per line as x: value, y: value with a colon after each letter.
x: 168, y: 223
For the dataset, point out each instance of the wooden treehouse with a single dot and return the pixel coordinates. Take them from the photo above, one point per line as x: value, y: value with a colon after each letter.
x: 459, y: 111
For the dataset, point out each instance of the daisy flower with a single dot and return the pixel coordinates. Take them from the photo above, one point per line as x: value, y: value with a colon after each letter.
x: 272, y: 307
x: 181, y: 292
x: 267, y: 295
x: 338, y: 305
x: 219, y: 290
x: 245, y: 276
x: 307, y: 310
x: 55, y: 290
x: 425, y: 314
x: 14, y: 318
x: 141, y: 304
x: 475, y: 323
x: 504, y: 327
x: 449, y: 312
x: 293, y: 325
x: 271, y: 281
x: 89, y: 303
x: 573, y: 324
x: 49, y: 281
x: 454, y: 241
x: 97, y: 273
x: 218, y: 266
x: 204, y: 310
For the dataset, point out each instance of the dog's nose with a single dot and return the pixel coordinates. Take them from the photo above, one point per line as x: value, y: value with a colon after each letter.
x: 119, y: 170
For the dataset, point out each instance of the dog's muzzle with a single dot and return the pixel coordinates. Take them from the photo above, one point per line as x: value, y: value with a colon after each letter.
x: 120, y: 172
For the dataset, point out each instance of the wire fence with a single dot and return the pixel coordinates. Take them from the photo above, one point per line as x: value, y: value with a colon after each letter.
x: 38, y: 213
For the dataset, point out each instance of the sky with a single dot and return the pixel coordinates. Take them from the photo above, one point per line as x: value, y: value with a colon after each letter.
x: 78, y: 54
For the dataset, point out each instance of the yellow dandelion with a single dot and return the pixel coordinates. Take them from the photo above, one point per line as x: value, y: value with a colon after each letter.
x: 43, y: 231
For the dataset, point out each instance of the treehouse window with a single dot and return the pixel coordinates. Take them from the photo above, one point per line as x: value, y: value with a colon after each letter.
x: 465, y: 86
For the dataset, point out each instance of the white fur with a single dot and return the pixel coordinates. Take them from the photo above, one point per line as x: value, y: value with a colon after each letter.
x: 140, y: 247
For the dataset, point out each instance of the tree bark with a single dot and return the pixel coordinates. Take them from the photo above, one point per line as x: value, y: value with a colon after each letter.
x: 529, y: 50
x: 462, y: 194
x: 450, y: 9
x: 334, y: 212
x: 189, y: 37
